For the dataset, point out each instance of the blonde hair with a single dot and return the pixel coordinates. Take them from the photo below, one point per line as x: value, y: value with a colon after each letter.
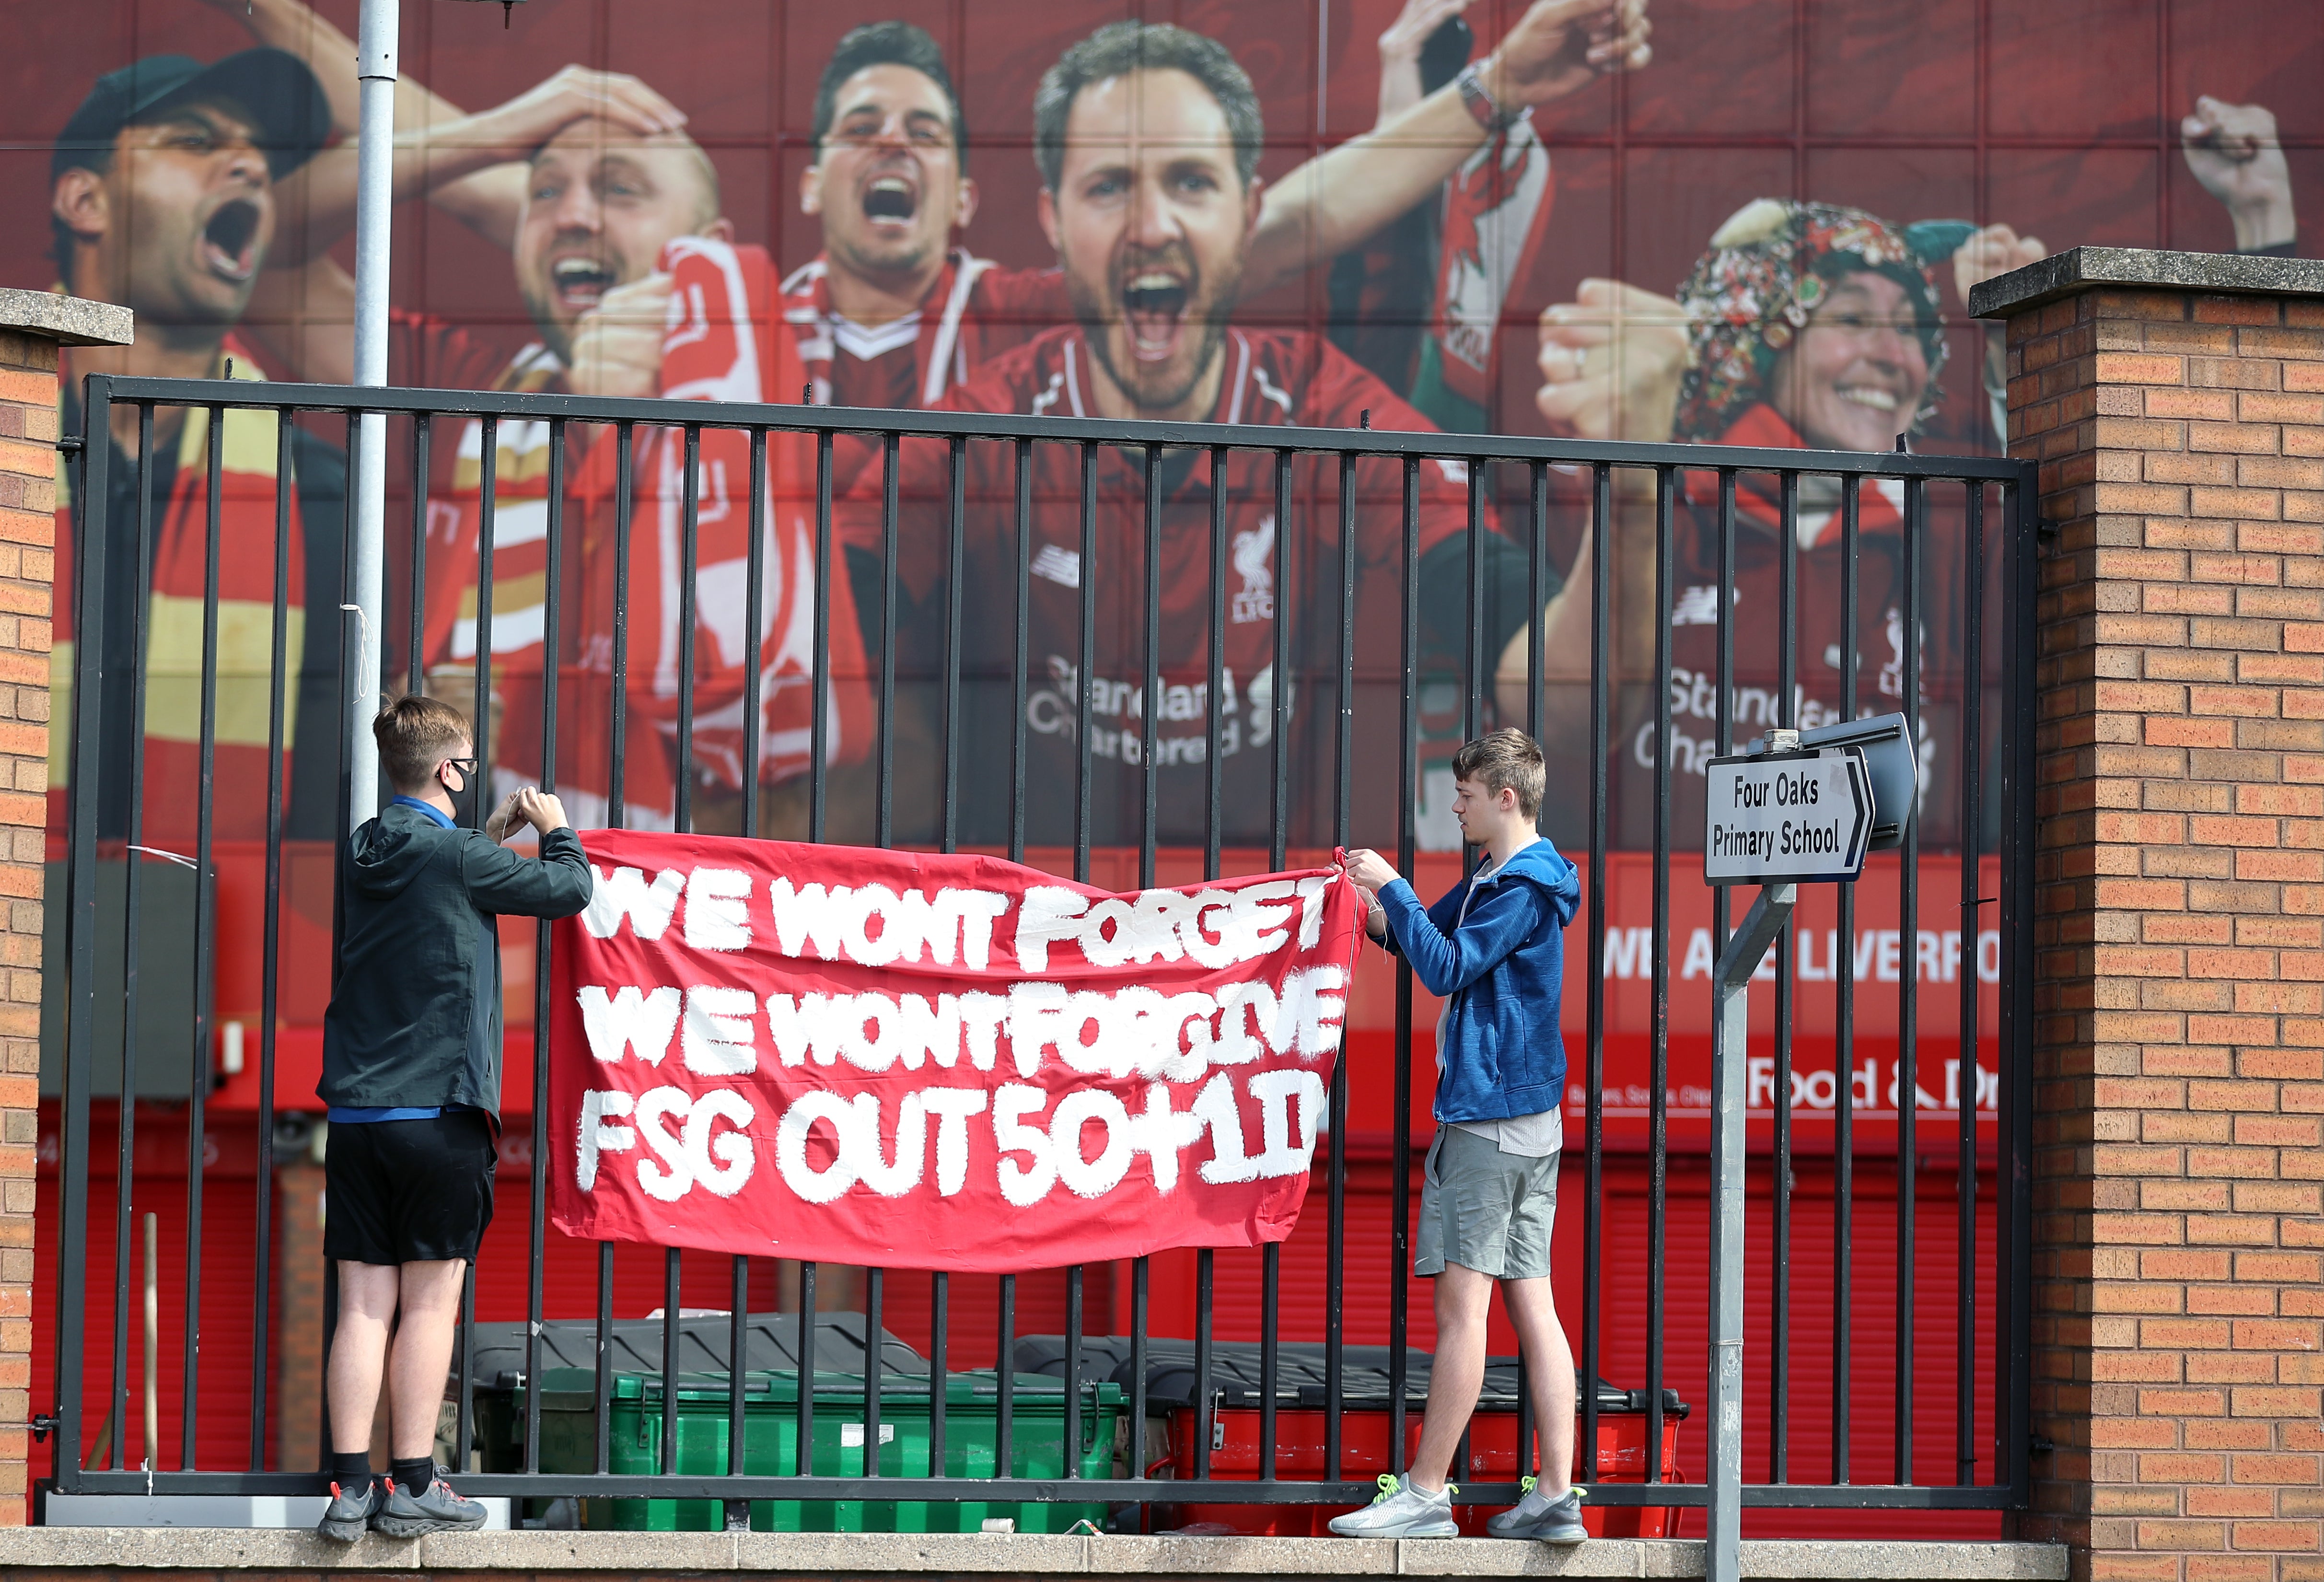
x: 1505, y: 760
x: 415, y: 733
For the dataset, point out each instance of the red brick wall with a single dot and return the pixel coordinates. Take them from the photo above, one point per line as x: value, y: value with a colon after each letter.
x: 28, y: 464
x: 2179, y: 1138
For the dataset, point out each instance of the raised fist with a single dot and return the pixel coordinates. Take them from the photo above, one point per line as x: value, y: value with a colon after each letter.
x: 2232, y: 150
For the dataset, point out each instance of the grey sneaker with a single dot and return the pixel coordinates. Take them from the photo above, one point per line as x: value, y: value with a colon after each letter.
x: 1541, y: 1517
x: 434, y: 1509
x: 1397, y: 1512
x: 350, y: 1511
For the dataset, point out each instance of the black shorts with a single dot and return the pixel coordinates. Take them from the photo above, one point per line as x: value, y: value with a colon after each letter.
x: 408, y: 1191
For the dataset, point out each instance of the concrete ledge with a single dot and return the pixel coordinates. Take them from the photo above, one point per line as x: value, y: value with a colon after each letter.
x: 67, y: 321
x: 2081, y: 269
x: 864, y: 1554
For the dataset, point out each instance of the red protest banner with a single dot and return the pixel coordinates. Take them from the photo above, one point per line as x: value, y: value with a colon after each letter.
x: 936, y: 1062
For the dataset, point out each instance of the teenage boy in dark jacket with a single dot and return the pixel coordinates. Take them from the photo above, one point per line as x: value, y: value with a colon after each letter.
x: 1494, y: 950
x: 412, y: 1047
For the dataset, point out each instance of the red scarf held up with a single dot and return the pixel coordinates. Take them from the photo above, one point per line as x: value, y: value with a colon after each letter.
x: 727, y: 342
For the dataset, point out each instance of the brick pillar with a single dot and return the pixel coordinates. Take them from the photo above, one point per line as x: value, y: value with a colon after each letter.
x: 2175, y: 403
x: 32, y: 325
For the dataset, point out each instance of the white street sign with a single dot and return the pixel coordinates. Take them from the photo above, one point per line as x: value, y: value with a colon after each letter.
x: 1789, y: 817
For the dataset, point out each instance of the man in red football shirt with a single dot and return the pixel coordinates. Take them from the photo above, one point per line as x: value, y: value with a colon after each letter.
x: 894, y: 313
x: 1147, y: 138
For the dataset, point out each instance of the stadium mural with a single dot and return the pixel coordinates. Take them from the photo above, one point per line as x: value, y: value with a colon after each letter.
x: 1743, y: 221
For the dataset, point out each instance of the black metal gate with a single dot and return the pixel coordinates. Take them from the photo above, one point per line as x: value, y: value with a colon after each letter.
x: 1359, y: 632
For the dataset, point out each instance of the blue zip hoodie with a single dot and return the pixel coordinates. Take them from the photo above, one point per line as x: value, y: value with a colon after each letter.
x: 1502, y: 971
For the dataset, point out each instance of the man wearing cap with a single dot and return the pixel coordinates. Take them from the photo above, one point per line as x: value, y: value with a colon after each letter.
x: 163, y: 198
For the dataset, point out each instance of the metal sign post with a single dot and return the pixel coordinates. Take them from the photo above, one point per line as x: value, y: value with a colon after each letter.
x: 1797, y: 809
x: 375, y: 52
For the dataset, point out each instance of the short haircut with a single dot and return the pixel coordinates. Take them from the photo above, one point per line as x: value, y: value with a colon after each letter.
x: 415, y: 733
x: 1119, y: 48
x: 1505, y: 760
x: 886, y: 43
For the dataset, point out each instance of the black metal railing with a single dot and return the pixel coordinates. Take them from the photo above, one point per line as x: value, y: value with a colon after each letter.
x: 1353, y: 663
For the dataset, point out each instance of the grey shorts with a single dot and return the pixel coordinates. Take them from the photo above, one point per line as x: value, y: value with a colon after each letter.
x: 1484, y: 1209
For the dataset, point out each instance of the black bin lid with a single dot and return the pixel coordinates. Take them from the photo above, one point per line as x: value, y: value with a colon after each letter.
x: 1299, y: 1375
x: 703, y: 1343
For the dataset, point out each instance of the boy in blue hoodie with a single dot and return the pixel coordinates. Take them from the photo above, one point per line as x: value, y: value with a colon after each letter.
x: 1494, y: 950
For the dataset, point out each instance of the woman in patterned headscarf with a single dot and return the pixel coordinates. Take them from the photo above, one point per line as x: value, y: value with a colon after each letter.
x: 1809, y: 322
x: 1805, y: 325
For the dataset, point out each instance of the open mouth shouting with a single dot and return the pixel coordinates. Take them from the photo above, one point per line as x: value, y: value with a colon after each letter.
x: 229, y: 243
x: 579, y: 281
x: 890, y: 200
x: 1154, y: 302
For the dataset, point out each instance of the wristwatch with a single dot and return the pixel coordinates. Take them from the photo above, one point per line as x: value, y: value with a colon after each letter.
x: 1483, y: 108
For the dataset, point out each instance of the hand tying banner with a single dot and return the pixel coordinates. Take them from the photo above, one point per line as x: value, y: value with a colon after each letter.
x: 936, y: 1062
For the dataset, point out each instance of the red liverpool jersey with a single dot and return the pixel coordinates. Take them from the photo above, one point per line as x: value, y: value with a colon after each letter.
x: 1937, y: 568
x: 1275, y: 573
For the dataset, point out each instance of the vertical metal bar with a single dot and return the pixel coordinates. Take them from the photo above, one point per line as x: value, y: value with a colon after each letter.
x: 616, y: 814
x: 939, y: 1368
x: 537, y: 1206
x: 672, y: 1300
x: 1150, y: 689
x: 1139, y: 1312
x: 738, y: 1305
x: 415, y: 656
x: 754, y: 643
x: 92, y: 501
x: 1658, y: 1121
x: 1593, y: 1222
x: 1722, y: 1526
x: 1206, y: 1412
x: 126, y: 1113
x: 874, y: 1289
x: 603, y: 1387
x: 956, y: 540
x: 204, y: 947
x: 689, y: 561
x: 1908, y: 996
x: 1214, y: 682
x: 1536, y: 594
x: 738, y: 1359
x: 2014, y: 1339
x: 1972, y: 762
x: 1843, y: 1171
x: 805, y: 1463
x: 1086, y: 659
x: 1779, y: 1295
x: 1271, y: 1299
x: 624, y: 467
x: 1279, y: 683
x: 819, y: 719
x: 480, y: 725
x: 1472, y: 646
x: 1023, y: 455
x: 1073, y: 1331
x: 1335, y: 1257
x: 1407, y: 784
x: 892, y: 459
x: 1004, y: 1407
x: 278, y: 683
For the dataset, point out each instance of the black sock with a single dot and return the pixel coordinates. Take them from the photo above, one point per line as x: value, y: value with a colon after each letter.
x: 350, y: 1469
x: 415, y: 1476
